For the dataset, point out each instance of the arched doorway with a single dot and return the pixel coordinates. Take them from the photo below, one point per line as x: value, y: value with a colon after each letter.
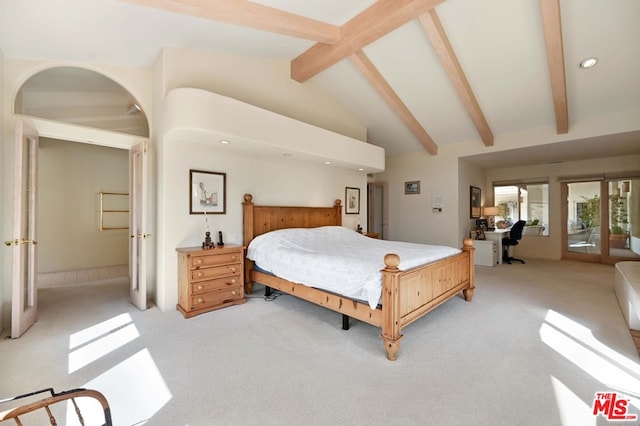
x: 93, y: 109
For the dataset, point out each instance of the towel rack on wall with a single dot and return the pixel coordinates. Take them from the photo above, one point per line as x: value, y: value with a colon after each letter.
x: 116, y: 215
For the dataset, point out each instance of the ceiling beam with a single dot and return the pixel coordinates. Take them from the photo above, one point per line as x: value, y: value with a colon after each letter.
x: 251, y: 15
x: 432, y: 26
x: 552, y: 25
x: 371, y: 24
x: 392, y: 99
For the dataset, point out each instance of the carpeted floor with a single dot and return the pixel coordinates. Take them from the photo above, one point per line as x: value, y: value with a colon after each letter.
x: 533, y: 348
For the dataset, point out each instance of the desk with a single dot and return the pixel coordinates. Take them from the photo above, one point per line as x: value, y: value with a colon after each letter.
x: 497, y: 236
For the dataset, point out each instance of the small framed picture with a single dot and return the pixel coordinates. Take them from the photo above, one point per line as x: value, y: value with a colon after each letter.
x: 208, y: 192
x: 412, y: 187
x: 352, y: 200
x: 475, y: 201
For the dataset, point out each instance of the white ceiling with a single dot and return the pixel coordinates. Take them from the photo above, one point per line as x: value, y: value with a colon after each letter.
x: 499, y: 44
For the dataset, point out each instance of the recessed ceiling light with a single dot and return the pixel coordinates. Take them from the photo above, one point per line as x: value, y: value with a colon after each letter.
x: 327, y: 162
x: 588, y: 63
x: 361, y: 169
x: 225, y: 142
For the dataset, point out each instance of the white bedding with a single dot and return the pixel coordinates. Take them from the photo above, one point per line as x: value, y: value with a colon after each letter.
x: 337, y: 259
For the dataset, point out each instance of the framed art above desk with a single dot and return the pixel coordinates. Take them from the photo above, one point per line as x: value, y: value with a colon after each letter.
x: 475, y: 202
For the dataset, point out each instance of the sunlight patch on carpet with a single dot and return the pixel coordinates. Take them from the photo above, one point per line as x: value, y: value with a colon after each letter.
x: 134, y: 388
x: 577, y: 344
x: 99, y: 340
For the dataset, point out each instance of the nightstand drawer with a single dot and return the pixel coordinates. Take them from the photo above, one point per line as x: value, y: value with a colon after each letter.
x: 217, y: 284
x: 216, y: 297
x: 209, y: 279
x: 215, y: 259
x: 215, y: 272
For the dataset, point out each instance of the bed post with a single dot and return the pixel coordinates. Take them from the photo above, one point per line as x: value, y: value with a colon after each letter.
x: 467, y: 245
x: 247, y: 236
x: 391, y: 306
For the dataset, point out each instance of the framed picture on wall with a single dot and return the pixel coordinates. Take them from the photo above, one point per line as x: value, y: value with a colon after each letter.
x: 352, y: 200
x: 207, y: 192
x: 475, y: 200
x: 412, y: 187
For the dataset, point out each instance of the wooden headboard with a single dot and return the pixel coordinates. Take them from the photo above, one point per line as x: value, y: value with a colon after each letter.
x: 258, y: 220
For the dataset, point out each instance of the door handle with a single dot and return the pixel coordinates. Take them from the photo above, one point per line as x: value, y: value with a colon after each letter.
x: 17, y: 242
x: 143, y: 236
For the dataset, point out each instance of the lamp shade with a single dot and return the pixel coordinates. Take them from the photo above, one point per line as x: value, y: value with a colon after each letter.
x: 490, y: 211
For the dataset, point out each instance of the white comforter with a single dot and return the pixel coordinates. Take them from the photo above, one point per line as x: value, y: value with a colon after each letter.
x: 337, y: 259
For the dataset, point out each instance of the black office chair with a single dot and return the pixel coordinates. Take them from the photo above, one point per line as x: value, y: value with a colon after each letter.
x: 515, y: 234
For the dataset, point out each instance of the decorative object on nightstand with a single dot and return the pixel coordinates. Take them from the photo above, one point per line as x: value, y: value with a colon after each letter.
x: 210, y: 279
x: 207, y: 243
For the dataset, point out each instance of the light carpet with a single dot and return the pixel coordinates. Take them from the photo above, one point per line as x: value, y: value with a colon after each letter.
x: 532, y: 348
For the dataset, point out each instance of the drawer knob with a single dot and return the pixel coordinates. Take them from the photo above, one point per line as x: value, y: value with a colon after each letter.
x: 199, y: 262
x: 233, y: 257
x: 233, y: 269
x: 200, y: 287
x: 199, y: 300
x: 199, y: 274
x: 233, y: 292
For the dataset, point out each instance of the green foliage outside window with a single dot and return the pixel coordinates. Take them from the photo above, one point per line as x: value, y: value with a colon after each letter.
x: 590, y: 214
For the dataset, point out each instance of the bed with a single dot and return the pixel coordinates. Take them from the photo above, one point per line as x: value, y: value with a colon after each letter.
x: 406, y: 295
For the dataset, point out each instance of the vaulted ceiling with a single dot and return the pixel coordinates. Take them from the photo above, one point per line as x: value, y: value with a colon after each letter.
x: 420, y: 74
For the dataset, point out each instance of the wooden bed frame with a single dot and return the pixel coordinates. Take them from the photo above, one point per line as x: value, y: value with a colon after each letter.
x: 406, y: 295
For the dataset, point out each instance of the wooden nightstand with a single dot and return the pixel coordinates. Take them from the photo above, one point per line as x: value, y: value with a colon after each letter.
x: 371, y: 234
x: 210, y: 279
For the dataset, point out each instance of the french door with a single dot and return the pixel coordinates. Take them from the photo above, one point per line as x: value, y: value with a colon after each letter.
x: 24, y: 295
x: 138, y: 225
x: 597, y: 220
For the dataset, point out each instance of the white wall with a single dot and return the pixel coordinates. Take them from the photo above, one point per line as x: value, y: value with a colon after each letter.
x: 261, y: 82
x: 71, y: 176
x: 410, y: 216
x: 470, y: 175
x: 271, y: 180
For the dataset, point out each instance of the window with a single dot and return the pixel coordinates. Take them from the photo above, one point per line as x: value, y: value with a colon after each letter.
x: 524, y: 201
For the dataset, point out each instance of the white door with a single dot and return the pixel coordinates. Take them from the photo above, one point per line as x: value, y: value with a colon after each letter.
x: 138, y: 225
x: 24, y: 297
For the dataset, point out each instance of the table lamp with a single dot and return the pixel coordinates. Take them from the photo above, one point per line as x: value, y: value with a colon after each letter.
x: 489, y: 212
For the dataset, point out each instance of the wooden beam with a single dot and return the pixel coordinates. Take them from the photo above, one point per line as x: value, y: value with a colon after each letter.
x: 552, y: 25
x: 248, y: 14
x: 376, y: 21
x: 432, y: 26
x: 376, y: 79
